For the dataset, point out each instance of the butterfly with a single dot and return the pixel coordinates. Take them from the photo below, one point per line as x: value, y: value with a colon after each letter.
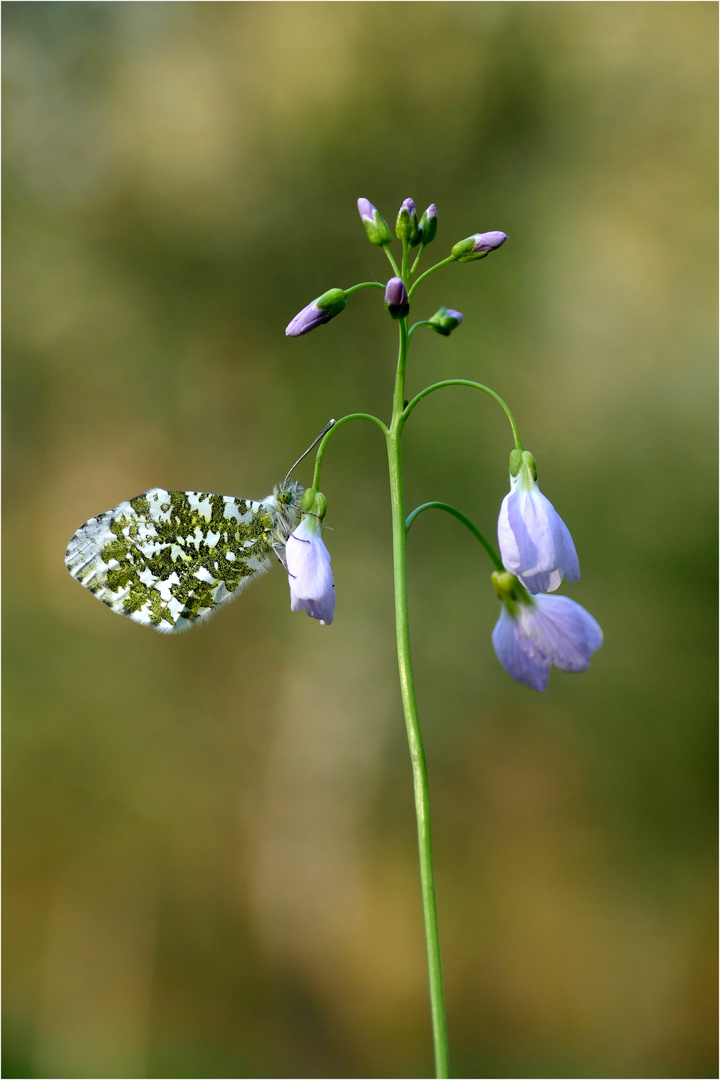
x: 169, y: 559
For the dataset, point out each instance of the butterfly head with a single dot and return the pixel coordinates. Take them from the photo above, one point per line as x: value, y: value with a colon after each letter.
x: 285, y: 502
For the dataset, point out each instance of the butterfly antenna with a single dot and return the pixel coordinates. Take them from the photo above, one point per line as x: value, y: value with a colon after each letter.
x: 310, y: 447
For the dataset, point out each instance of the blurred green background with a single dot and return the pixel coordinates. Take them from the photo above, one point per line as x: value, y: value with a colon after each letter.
x: 210, y: 856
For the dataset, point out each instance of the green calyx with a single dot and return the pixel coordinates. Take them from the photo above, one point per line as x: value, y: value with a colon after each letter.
x: 443, y: 322
x: 463, y: 250
x: 314, y: 505
x: 378, y: 231
x: 333, y: 302
x: 428, y: 228
x: 406, y: 227
x: 522, y: 459
x: 509, y: 590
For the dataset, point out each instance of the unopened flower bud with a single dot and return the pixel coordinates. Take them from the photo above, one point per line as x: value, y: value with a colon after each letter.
x: 478, y: 246
x: 396, y: 298
x: 428, y: 224
x: 406, y: 226
x: 445, y: 320
x: 376, y: 226
x: 322, y: 310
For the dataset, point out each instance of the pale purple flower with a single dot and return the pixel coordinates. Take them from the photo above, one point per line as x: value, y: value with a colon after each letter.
x: 396, y: 298
x: 533, y: 633
x: 312, y: 587
x: 535, y: 543
x: 322, y: 310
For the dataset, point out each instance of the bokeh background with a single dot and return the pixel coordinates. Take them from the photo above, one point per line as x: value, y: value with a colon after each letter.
x: 210, y: 856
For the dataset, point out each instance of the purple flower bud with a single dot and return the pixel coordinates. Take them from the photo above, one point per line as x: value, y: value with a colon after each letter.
x: 428, y: 224
x: 322, y: 310
x: 534, y: 632
x: 488, y: 241
x: 376, y: 226
x: 406, y: 226
x: 535, y: 543
x: 366, y: 210
x: 312, y: 587
x: 478, y: 246
x: 396, y: 298
x: 445, y: 320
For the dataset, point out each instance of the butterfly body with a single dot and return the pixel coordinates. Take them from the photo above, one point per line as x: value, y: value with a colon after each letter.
x: 168, y: 559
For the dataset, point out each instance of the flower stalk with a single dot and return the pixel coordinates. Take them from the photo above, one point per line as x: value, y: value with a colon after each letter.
x: 533, y: 632
x: 412, y: 723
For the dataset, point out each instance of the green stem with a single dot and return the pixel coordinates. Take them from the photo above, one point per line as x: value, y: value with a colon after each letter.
x: 390, y: 256
x: 494, y: 557
x: 476, y: 386
x: 413, y: 268
x: 364, y: 285
x: 407, y: 689
x: 425, y: 322
x: 324, y: 441
x: 444, y: 262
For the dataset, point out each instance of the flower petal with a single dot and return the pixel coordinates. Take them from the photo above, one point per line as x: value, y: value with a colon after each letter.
x: 518, y: 654
x: 562, y: 630
x: 535, y: 543
x: 312, y: 588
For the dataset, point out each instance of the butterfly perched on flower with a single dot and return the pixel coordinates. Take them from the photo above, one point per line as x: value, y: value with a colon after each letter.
x: 168, y: 559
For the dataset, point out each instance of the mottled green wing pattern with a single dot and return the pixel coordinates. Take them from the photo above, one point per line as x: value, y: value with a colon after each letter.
x: 168, y: 559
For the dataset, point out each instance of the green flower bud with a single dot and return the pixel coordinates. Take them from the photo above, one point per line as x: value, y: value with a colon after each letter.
x: 376, y: 227
x: 478, y: 246
x: 445, y: 320
x: 428, y: 224
x: 406, y: 226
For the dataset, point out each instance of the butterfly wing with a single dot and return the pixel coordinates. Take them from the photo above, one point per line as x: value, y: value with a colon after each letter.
x: 168, y: 559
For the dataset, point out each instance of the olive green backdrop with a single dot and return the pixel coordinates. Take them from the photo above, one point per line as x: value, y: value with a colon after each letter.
x: 210, y: 860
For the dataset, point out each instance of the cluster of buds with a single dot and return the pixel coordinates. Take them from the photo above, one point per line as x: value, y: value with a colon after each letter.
x: 413, y: 232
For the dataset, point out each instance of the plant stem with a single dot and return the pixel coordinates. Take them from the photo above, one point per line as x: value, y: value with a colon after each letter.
x: 494, y: 557
x: 364, y: 285
x: 475, y: 386
x: 407, y: 689
x: 329, y: 434
x: 444, y: 262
